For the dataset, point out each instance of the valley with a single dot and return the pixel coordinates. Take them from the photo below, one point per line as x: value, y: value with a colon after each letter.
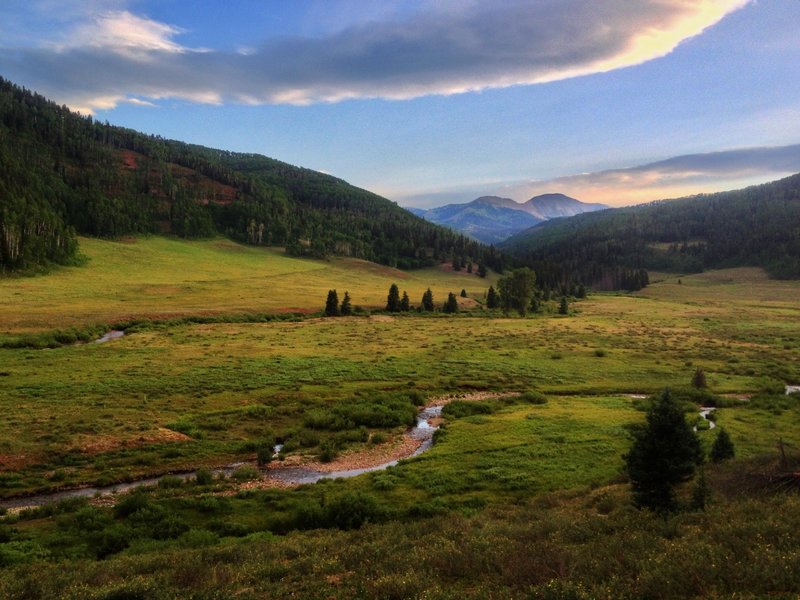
x: 173, y: 395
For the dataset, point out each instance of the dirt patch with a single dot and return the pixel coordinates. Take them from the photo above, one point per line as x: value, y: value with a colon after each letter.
x: 381, y: 318
x: 97, y: 444
x: 14, y: 462
x: 470, y: 397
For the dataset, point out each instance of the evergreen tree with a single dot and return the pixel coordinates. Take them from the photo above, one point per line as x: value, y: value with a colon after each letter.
x: 393, y: 300
x: 482, y: 269
x: 492, y: 299
x: 451, y: 306
x: 346, y: 308
x: 563, y: 307
x: 581, y: 292
x: 722, y: 448
x: 463, y: 293
x: 469, y: 267
x: 332, y: 304
x: 665, y: 452
x: 405, y: 303
x: 699, y: 379
x: 516, y: 290
x: 427, y: 300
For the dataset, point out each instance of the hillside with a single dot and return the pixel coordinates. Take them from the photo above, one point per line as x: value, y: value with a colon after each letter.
x: 62, y: 174
x: 755, y: 226
x: 493, y: 219
x: 161, y: 277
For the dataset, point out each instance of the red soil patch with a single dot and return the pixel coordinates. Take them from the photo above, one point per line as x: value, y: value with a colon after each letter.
x: 97, y: 444
x: 14, y: 462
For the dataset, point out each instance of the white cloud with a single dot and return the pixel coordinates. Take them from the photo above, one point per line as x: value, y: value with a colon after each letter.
x: 122, y: 31
x: 457, y: 47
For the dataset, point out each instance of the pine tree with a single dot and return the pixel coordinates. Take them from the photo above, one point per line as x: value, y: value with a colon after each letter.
x: 481, y: 269
x: 463, y: 293
x: 393, y: 300
x: 722, y: 448
x: 451, y: 306
x: 664, y: 453
x: 427, y: 300
x: 563, y: 307
x: 492, y: 299
x: 332, y: 304
x: 405, y: 303
x: 699, y: 379
x: 346, y: 308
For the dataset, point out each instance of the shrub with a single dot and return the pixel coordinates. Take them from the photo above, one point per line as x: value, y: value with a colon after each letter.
x: 533, y: 398
x: 131, y: 503
x: 460, y: 408
x: 328, y: 451
x: 203, y: 476
x: 170, y: 482
x: 246, y: 473
x: 722, y: 448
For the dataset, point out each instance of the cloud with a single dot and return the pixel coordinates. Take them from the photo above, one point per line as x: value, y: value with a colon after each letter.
x: 678, y: 176
x: 124, y: 32
x: 453, y: 48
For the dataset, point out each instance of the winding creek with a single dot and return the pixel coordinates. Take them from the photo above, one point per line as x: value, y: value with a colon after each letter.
x: 422, y: 433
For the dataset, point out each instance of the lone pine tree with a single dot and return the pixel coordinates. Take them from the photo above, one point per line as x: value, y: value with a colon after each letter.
x: 664, y: 453
x: 722, y: 448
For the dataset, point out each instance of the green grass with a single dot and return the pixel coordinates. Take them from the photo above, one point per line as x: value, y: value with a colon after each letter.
x: 159, y: 277
x: 504, y: 476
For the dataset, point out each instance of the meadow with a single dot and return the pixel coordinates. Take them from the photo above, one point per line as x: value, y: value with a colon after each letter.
x: 503, y: 475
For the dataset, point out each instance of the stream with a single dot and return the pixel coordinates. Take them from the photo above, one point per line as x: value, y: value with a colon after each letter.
x: 422, y: 431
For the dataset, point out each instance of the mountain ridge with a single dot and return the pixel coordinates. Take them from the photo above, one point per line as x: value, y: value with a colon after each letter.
x: 493, y: 219
x: 65, y: 174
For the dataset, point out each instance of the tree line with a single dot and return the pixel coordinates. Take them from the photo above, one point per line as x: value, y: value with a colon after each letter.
x: 755, y: 226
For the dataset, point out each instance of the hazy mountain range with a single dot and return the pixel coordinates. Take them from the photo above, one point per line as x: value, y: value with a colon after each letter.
x: 492, y: 219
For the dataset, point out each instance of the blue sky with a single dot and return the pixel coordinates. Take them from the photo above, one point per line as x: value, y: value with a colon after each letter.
x: 616, y: 101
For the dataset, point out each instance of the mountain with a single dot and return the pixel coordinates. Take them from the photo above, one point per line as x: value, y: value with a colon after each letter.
x: 63, y: 174
x: 554, y: 206
x: 492, y: 219
x: 755, y: 226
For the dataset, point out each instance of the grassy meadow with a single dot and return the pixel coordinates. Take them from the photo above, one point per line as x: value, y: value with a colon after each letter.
x: 505, y: 475
x: 158, y: 277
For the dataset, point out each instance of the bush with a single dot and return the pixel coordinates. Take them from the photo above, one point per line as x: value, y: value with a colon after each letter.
x: 351, y: 510
x: 460, y: 408
x: 131, y: 503
x: 246, y: 473
x: 203, y: 476
x: 170, y: 482
x: 533, y: 398
x: 328, y: 450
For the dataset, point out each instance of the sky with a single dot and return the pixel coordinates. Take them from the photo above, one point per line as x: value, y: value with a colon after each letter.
x: 429, y: 102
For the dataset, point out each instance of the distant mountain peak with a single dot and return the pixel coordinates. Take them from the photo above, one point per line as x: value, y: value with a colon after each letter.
x: 492, y: 219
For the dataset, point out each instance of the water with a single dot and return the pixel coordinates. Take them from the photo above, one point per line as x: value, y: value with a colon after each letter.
x: 792, y: 389
x: 111, y: 335
x: 422, y: 431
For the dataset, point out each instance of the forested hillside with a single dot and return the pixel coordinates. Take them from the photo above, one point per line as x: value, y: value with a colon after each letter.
x: 755, y: 226
x: 62, y: 173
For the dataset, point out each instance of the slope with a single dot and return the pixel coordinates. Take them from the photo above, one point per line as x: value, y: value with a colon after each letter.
x: 160, y: 277
x: 62, y: 173
x: 755, y: 226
